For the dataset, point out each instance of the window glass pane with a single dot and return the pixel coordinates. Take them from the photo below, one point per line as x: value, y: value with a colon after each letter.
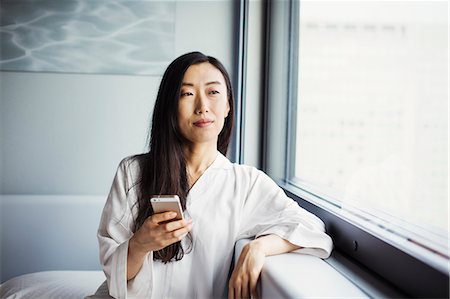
x: 372, y: 121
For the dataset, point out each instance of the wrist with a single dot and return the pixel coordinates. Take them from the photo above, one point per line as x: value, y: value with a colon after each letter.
x: 135, y: 249
x: 257, y: 245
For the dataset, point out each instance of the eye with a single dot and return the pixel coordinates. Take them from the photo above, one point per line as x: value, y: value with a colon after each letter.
x: 186, y: 94
x: 214, y: 92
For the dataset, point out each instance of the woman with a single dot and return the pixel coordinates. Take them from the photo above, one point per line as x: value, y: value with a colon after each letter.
x: 150, y: 255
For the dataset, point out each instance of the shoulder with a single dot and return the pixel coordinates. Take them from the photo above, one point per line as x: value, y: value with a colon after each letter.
x: 249, y: 173
x: 132, y: 163
x: 255, y: 184
x: 129, y: 169
x: 247, y: 170
x: 225, y: 164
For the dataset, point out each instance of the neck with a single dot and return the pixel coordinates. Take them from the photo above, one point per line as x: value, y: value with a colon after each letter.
x: 198, y: 159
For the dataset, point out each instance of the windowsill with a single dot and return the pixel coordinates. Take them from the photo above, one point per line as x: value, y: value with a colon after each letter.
x: 381, y: 259
x: 294, y: 275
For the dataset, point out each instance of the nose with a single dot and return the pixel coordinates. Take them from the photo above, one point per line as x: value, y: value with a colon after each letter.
x: 201, y: 104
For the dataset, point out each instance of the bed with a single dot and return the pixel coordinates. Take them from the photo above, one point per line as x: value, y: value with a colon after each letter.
x: 52, y: 285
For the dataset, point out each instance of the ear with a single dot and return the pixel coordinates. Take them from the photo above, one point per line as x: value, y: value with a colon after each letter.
x: 228, y: 109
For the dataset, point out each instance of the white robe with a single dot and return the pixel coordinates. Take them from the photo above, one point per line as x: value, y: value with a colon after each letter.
x: 227, y: 203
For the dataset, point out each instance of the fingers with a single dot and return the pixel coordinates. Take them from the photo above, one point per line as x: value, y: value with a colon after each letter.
x: 159, y: 231
x: 175, y: 225
x: 231, y: 292
x: 241, y: 287
x: 244, y: 289
x: 161, y: 217
x: 237, y: 292
x: 253, y: 287
x: 177, y: 235
x: 238, y: 286
x: 244, y: 279
x: 173, y: 231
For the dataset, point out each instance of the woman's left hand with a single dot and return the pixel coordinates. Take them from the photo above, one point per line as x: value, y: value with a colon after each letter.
x: 245, y: 276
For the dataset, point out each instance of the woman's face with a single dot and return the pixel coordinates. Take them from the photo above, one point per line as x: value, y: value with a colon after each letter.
x: 203, y: 104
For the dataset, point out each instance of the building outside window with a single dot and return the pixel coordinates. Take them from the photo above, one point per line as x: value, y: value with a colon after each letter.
x: 372, y: 118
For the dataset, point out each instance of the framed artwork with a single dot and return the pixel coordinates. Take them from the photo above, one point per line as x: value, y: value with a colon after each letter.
x: 87, y: 36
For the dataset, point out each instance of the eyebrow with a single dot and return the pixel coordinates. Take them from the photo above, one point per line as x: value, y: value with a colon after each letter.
x: 208, y: 83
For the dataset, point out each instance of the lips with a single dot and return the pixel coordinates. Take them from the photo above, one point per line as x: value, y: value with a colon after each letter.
x: 203, y: 123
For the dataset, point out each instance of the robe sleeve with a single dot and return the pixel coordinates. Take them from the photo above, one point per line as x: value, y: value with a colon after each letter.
x: 114, y: 232
x: 267, y: 210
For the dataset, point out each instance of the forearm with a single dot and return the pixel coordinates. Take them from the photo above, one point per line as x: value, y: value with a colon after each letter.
x: 135, y: 259
x: 272, y: 245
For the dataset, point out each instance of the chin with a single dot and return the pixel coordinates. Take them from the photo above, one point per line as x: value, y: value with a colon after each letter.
x: 205, y: 139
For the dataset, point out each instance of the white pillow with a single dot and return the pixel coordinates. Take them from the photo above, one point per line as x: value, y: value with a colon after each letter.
x: 52, y: 284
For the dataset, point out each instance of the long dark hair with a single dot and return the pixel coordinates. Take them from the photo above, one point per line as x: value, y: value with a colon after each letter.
x: 163, y: 168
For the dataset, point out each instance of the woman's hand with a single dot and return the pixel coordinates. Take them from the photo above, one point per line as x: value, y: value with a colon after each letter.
x: 246, y: 273
x: 245, y: 276
x: 158, y: 232
x: 155, y: 233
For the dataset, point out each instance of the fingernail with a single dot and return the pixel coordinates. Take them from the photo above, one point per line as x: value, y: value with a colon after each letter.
x: 173, y: 214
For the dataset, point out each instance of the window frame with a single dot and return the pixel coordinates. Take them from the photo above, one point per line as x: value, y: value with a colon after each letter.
x: 395, y: 267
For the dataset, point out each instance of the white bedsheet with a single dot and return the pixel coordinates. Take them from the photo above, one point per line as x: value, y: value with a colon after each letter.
x: 52, y: 285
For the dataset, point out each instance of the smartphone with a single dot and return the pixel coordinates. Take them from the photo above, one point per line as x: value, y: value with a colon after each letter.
x: 167, y: 203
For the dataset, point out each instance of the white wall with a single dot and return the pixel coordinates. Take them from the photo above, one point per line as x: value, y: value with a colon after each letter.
x: 66, y: 133
x: 207, y: 26
x: 46, y: 233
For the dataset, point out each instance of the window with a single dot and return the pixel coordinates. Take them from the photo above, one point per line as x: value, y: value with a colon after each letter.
x: 357, y: 106
x: 372, y: 113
